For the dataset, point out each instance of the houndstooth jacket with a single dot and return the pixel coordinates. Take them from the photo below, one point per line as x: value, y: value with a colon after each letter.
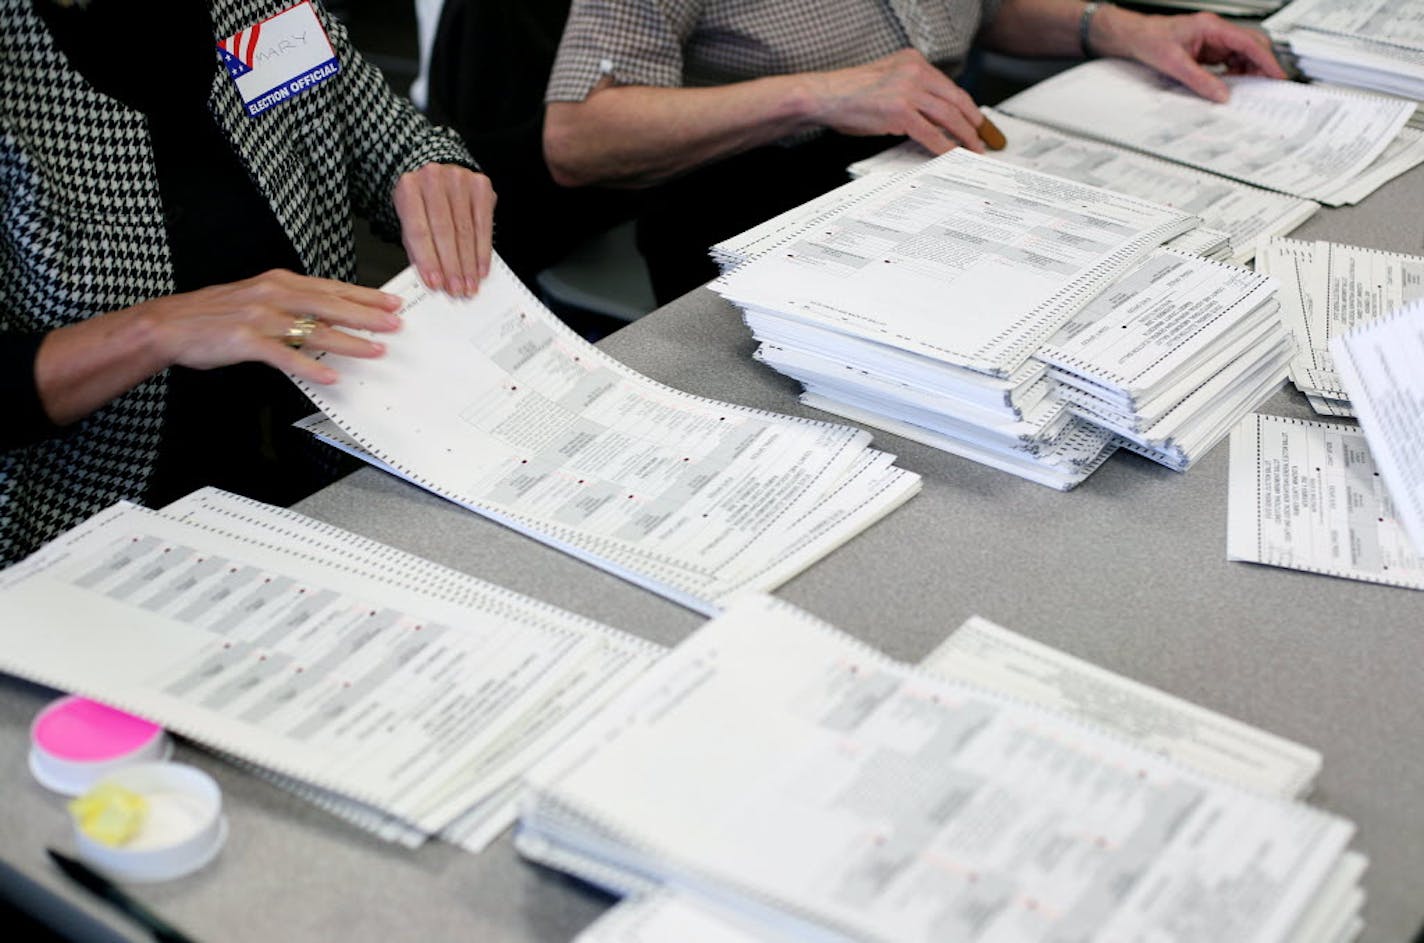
x: 82, y: 228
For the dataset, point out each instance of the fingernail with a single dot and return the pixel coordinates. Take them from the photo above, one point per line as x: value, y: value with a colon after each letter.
x: 390, y: 322
x: 392, y: 301
x: 471, y: 285
x: 434, y: 280
x: 378, y: 348
x: 327, y: 376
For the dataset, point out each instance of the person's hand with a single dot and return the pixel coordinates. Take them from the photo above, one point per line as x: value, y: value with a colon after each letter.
x: 250, y: 320
x: 1179, y: 47
x: 899, y: 94
x: 447, y: 224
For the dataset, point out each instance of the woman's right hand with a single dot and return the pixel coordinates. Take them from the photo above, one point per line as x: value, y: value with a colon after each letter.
x: 248, y: 321
x: 81, y: 367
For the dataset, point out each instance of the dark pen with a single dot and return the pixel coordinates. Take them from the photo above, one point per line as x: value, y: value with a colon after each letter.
x: 100, y: 886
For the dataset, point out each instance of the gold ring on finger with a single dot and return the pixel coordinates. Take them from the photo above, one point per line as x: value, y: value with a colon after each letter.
x: 300, y: 330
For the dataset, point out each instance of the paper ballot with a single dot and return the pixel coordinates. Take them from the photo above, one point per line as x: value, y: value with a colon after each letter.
x: 1373, y: 44
x: 985, y: 655
x: 1328, y: 289
x: 1245, y: 213
x: 970, y: 261
x: 1017, y: 319
x: 415, y: 691
x: 1303, y: 140
x: 799, y: 779
x: 1397, y: 22
x: 666, y: 916
x: 494, y: 404
x: 1172, y: 356
x: 1307, y: 495
x: 989, y: 656
x: 1382, y: 364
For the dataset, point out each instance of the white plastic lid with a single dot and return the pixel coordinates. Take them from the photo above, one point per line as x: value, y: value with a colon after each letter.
x: 75, y: 742
x: 183, y: 830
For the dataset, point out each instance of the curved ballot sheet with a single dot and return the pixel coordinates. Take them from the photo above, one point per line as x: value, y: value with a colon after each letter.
x: 493, y: 403
x: 1382, y: 364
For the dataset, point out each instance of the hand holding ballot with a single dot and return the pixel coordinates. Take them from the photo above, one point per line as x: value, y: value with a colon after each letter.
x: 194, y: 210
x: 447, y: 222
x: 266, y: 319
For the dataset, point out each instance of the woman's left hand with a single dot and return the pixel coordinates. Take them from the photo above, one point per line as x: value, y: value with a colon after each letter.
x: 447, y: 225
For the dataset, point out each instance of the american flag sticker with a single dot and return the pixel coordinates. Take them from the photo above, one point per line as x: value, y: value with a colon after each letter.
x: 237, y: 51
x: 279, y: 58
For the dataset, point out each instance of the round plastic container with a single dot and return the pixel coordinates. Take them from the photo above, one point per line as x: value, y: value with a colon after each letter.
x: 182, y: 831
x: 75, y: 742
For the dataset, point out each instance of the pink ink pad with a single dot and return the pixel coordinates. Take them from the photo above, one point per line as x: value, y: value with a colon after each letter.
x: 74, y: 742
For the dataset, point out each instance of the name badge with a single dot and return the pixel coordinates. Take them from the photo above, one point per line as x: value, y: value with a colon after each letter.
x: 279, y: 58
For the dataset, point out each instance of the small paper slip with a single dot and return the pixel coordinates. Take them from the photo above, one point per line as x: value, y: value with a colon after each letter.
x: 986, y: 655
x: 1245, y: 213
x: 1307, y: 495
x: 1327, y: 290
x: 494, y: 404
x: 801, y: 781
x: 1306, y: 141
x: 396, y: 693
x: 1382, y: 364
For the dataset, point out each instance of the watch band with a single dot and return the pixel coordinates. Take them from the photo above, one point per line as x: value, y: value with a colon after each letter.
x: 1085, y: 23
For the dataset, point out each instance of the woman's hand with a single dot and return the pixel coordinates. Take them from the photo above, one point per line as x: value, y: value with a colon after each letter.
x: 447, y: 225
x: 250, y: 320
x: 81, y: 367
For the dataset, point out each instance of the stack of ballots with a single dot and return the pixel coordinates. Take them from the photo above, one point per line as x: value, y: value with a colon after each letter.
x: 1014, y: 318
x: 803, y: 786
x: 1373, y: 44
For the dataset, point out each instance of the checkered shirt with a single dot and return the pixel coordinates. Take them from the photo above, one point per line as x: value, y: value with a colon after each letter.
x: 675, y: 43
x: 82, y: 230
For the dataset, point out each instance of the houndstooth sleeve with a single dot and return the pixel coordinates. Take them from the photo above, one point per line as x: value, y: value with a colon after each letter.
x: 388, y: 136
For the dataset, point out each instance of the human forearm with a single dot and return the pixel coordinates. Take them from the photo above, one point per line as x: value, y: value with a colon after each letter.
x: 638, y: 135
x: 83, y: 366
x: 1042, y: 28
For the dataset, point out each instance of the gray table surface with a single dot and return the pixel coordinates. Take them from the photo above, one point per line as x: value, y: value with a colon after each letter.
x: 1128, y: 571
